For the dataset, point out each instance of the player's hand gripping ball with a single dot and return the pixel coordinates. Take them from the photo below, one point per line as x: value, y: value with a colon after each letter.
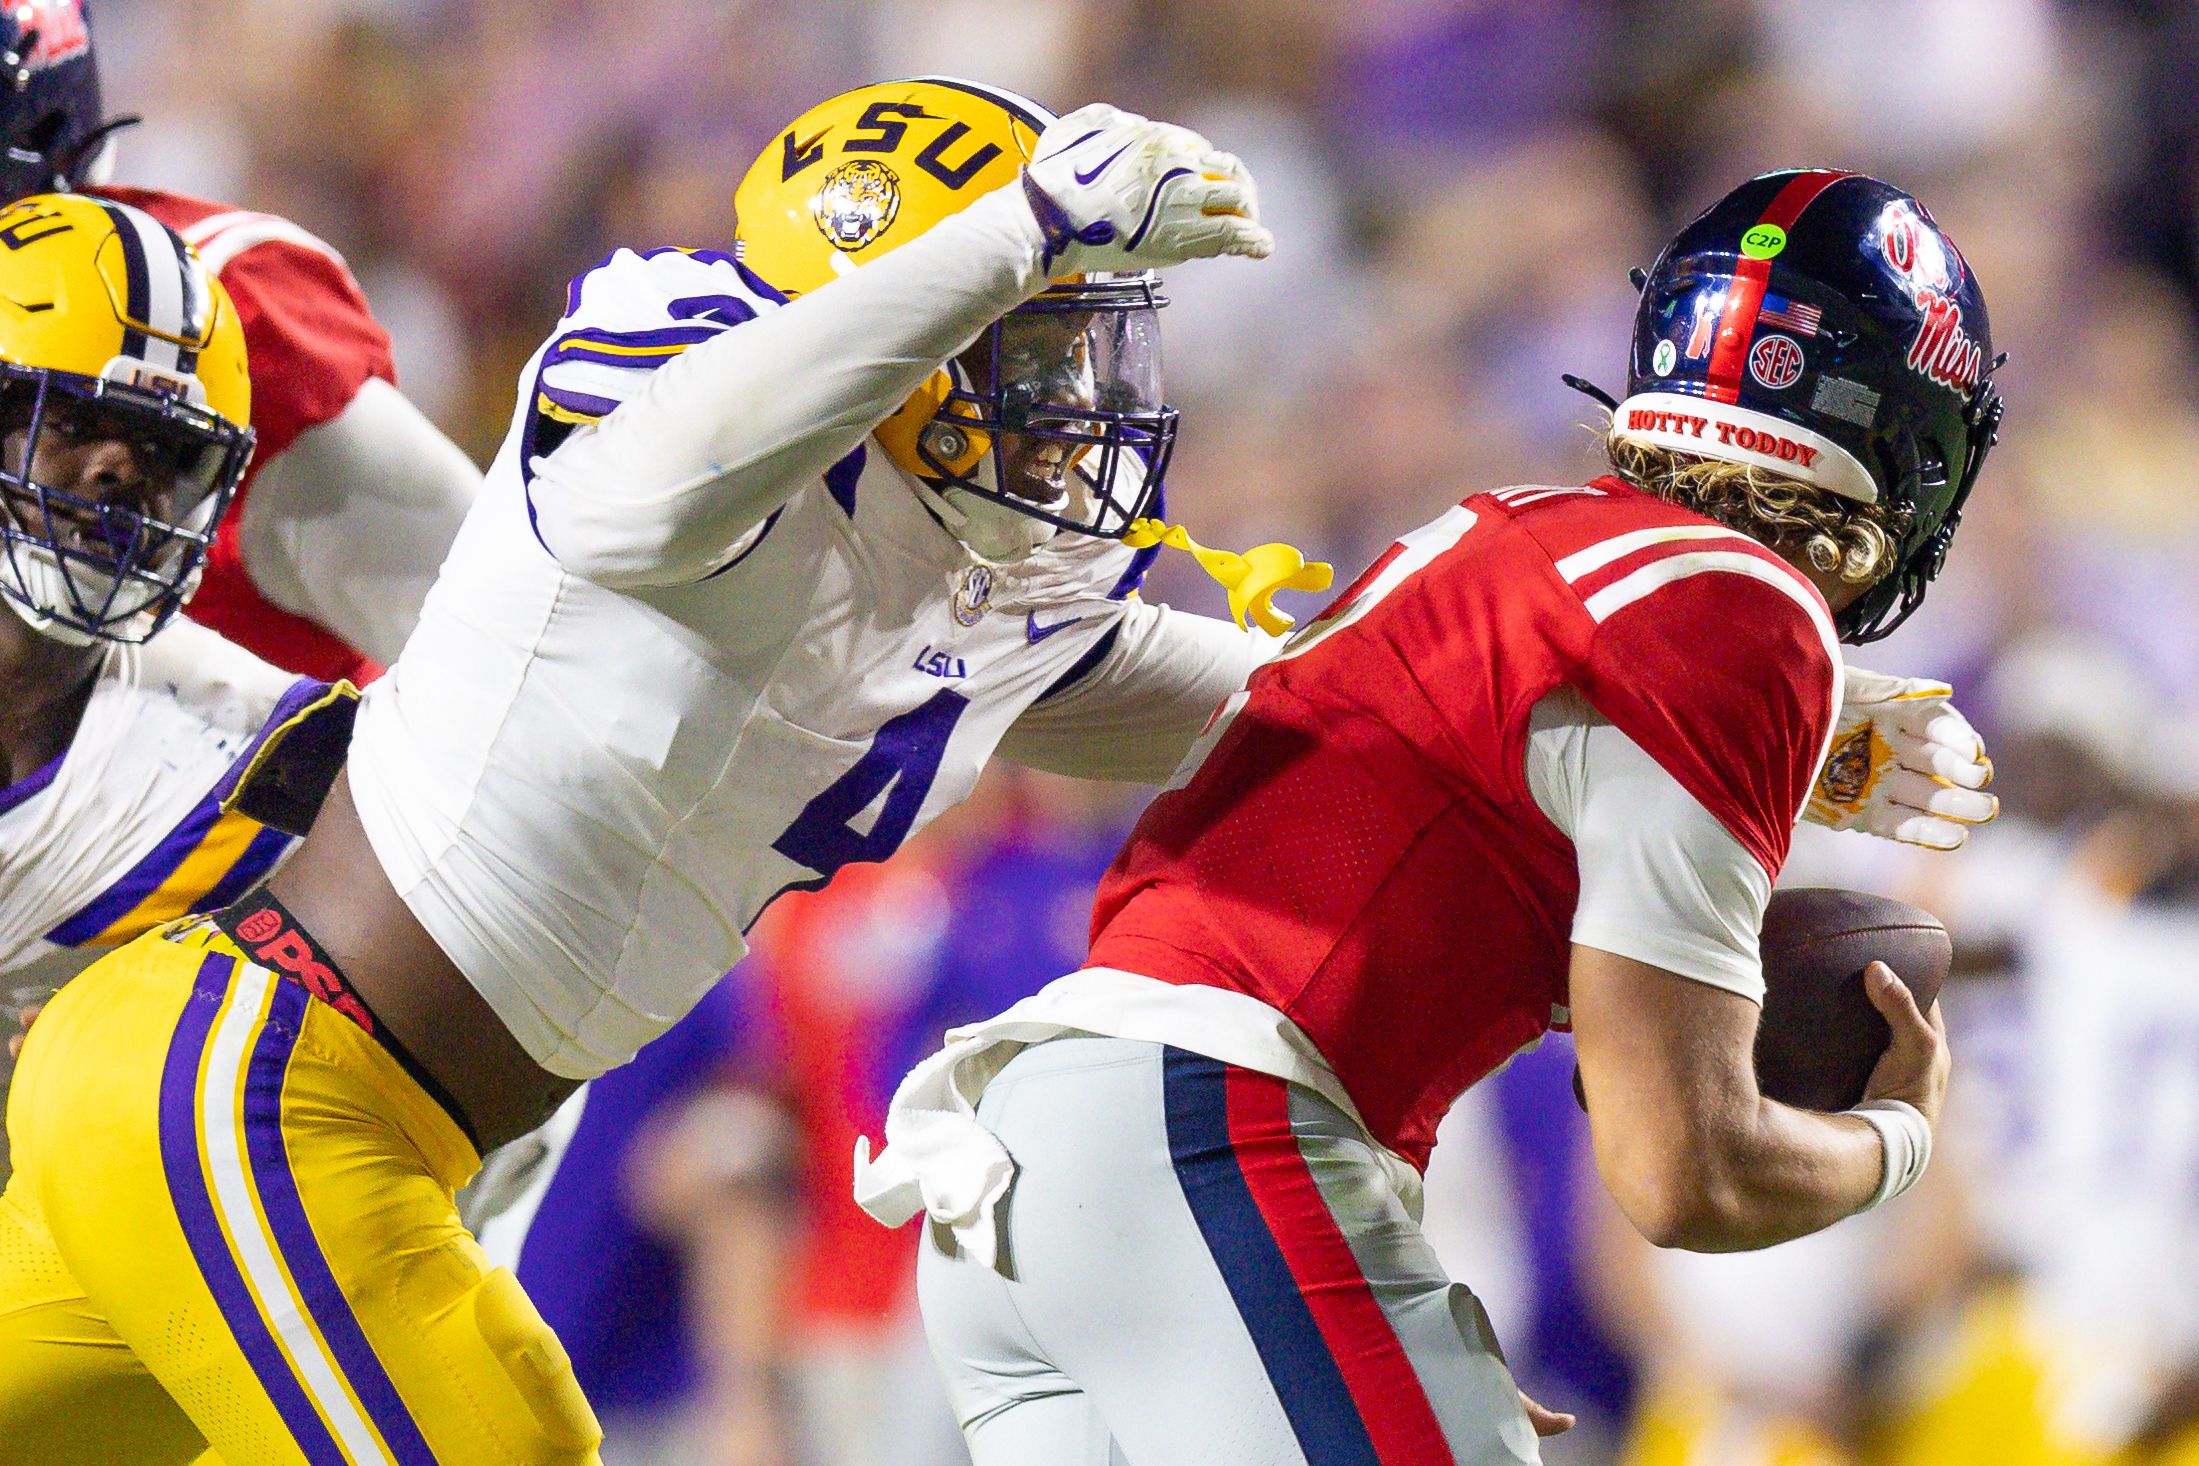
x: 1820, y: 1037
x: 1116, y: 191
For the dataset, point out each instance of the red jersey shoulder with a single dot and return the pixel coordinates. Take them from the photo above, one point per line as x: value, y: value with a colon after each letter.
x: 1710, y: 651
x: 310, y: 339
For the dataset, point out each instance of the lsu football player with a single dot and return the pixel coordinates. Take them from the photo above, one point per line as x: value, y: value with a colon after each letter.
x: 346, y: 507
x: 1537, y: 768
x: 126, y: 401
x: 782, y: 546
x: 352, y: 496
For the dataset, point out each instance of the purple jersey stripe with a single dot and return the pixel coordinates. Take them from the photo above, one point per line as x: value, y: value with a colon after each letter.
x: 1305, y: 1375
x: 269, y: 1158
x: 251, y: 867
x: 759, y: 284
x: 300, y: 695
x: 31, y: 783
x: 657, y: 336
x: 187, y: 1189
x: 583, y: 403
x: 141, y: 880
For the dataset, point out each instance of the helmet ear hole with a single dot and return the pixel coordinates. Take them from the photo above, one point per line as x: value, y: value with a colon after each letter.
x: 945, y: 441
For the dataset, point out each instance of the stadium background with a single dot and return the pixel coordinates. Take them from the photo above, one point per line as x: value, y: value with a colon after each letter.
x: 1458, y: 188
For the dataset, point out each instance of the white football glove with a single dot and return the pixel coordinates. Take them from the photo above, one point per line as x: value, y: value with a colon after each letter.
x: 1904, y: 765
x: 1114, y: 191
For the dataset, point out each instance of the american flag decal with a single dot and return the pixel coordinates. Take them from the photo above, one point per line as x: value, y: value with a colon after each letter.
x: 1790, y: 315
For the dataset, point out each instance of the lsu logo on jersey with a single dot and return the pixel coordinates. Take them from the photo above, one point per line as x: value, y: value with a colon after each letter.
x: 856, y: 203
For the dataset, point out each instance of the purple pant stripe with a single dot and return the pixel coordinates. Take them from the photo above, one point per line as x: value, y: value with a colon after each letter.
x: 187, y: 1189
x: 269, y: 1158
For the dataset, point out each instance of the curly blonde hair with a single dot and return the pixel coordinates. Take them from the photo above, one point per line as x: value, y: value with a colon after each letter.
x: 1860, y: 543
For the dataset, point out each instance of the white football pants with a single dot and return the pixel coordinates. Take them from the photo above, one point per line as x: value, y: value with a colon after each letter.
x: 1203, y: 1264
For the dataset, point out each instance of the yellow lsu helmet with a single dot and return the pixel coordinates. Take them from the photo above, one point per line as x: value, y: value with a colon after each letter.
x: 112, y: 332
x: 1057, y: 411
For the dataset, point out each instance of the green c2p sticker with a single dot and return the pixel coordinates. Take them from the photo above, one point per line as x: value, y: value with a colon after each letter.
x: 1763, y: 241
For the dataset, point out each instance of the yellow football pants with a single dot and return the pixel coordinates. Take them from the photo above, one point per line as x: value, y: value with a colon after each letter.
x: 231, y: 1226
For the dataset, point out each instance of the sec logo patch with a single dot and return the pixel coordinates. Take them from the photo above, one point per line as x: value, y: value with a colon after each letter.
x: 1776, y: 361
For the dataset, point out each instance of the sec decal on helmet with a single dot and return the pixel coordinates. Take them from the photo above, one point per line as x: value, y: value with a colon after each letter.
x: 111, y: 330
x: 1069, y: 381
x: 1821, y: 325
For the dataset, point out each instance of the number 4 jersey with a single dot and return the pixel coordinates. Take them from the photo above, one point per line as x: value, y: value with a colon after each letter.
x: 587, y: 794
x: 1354, y: 841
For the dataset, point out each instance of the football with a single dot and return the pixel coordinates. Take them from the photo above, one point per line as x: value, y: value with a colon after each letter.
x: 1820, y: 1036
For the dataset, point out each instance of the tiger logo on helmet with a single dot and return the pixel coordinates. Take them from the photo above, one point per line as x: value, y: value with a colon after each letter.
x: 856, y: 203
x: 112, y: 332
x: 1077, y: 367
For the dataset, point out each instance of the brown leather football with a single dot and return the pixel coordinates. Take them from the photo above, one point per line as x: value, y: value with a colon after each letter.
x: 1820, y: 1037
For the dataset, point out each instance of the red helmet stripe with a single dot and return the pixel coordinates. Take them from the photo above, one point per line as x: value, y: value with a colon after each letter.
x: 1745, y: 297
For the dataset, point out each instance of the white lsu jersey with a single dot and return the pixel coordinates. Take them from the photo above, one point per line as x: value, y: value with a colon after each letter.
x: 587, y: 795
x: 125, y: 829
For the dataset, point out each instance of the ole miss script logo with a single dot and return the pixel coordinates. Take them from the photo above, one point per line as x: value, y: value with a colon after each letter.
x: 1776, y: 361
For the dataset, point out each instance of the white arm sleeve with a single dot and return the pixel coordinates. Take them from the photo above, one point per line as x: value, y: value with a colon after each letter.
x: 348, y: 525
x: 1662, y: 881
x: 1131, y: 717
x: 663, y: 488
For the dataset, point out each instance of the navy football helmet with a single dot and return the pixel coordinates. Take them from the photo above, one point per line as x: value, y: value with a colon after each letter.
x: 1821, y: 325
x: 50, y: 125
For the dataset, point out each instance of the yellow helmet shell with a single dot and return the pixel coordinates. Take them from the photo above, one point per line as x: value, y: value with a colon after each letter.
x: 101, y: 290
x: 871, y: 169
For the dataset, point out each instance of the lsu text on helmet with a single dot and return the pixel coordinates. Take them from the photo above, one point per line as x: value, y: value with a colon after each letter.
x: 1820, y: 325
x: 49, y: 97
x: 1057, y: 411
x: 111, y: 333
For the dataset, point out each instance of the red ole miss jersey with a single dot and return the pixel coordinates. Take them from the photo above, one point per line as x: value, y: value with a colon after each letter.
x: 1359, y: 847
x: 310, y: 343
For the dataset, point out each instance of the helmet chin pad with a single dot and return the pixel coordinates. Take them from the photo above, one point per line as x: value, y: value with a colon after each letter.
x: 30, y: 582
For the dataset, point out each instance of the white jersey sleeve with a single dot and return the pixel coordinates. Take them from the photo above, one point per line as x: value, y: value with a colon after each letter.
x: 347, y: 525
x: 1662, y: 881
x: 664, y: 473
x: 1138, y: 699
x: 125, y: 830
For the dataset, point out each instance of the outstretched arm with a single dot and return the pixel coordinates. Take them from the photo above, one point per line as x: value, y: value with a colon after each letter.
x: 1131, y: 716
x: 664, y: 488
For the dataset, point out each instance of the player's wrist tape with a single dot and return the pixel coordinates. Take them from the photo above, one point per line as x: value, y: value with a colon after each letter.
x: 1907, y: 1137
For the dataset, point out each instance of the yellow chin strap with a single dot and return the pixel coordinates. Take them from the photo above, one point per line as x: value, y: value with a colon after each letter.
x: 1252, y: 579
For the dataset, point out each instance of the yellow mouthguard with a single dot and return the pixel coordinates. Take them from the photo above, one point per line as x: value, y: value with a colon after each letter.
x: 1252, y: 579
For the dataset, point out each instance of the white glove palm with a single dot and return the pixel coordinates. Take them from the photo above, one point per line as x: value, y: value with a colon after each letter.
x: 1114, y: 191
x: 1904, y: 765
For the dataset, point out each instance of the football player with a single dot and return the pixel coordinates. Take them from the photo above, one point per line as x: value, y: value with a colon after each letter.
x: 346, y: 508
x: 782, y: 546
x: 124, y: 398
x: 1538, y: 767
x: 353, y: 496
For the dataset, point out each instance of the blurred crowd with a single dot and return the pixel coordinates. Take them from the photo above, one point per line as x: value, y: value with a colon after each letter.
x: 1458, y: 188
